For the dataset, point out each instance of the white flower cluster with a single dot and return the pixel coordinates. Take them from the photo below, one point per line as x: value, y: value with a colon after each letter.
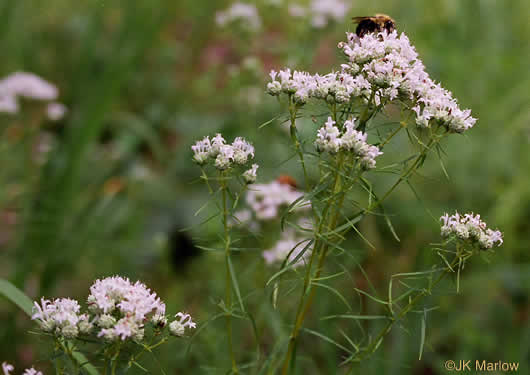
x: 224, y: 156
x: 321, y: 11
x: 28, y: 85
x: 246, y: 14
x: 469, y: 227
x: 118, y: 309
x: 330, y: 139
x: 289, y: 241
x: 61, y: 317
x: 386, y: 67
x: 7, y: 368
x: 121, y: 308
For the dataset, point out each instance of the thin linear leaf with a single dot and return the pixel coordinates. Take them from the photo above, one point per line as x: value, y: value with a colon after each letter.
x: 269, y: 122
x: 277, y: 274
x: 326, y: 338
x: 334, y: 291
x: 235, y: 283
x: 371, y: 297
x: 422, y: 339
x: 356, y: 317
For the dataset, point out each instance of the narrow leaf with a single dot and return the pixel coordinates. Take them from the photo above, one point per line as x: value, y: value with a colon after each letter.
x: 423, y: 324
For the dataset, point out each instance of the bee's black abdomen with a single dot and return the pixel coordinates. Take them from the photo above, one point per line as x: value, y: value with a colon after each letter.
x: 366, y: 26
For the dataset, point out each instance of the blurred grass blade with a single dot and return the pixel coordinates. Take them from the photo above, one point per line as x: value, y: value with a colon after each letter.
x: 84, y: 363
x: 16, y: 296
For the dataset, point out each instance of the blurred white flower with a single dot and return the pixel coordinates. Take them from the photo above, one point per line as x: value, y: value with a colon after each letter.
x: 31, y: 371
x: 8, y: 104
x: 289, y: 242
x: 30, y: 86
x: 297, y: 10
x: 56, y: 111
x: 245, y: 13
x: 7, y: 368
x: 27, y: 85
x: 266, y: 200
x: 323, y: 11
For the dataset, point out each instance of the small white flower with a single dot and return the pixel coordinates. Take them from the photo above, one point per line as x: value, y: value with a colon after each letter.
x: 202, y: 150
x: 242, y: 150
x: 247, y: 14
x: 217, y: 143
x: 179, y: 325
x: 328, y: 138
x: 225, y: 157
x: 250, y: 175
x: 7, y: 368
x: 274, y: 88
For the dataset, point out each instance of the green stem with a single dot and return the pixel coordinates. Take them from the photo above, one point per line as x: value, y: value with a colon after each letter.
x: 228, y: 286
x: 304, y: 305
x: 294, y: 139
x: 364, y: 116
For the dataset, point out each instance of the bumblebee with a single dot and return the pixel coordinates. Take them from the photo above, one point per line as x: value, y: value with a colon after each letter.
x: 377, y: 23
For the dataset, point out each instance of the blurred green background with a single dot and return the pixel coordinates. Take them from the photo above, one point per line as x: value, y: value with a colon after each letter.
x: 144, y: 79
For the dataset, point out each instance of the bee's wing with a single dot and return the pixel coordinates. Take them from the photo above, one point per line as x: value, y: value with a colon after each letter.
x: 359, y: 19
